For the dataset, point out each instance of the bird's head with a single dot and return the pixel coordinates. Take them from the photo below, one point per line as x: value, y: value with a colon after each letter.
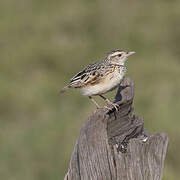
x: 119, y: 57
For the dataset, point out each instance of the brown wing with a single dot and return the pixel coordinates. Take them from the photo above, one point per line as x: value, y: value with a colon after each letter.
x: 93, y: 78
x: 85, y: 78
x: 89, y: 75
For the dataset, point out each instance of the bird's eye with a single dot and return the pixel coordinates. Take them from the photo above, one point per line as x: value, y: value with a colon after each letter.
x: 119, y: 55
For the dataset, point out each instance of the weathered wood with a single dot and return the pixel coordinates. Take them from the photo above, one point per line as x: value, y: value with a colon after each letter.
x: 111, y: 145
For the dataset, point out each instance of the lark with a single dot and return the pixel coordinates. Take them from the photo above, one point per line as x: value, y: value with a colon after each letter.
x: 101, y: 77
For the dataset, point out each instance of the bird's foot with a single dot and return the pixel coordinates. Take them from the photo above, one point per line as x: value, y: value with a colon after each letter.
x: 114, y: 105
x: 108, y: 108
x: 104, y: 107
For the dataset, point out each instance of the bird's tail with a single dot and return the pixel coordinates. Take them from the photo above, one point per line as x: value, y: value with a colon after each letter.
x: 64, y: 89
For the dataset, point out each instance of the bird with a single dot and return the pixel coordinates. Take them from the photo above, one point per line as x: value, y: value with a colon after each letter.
x: 101, y: 77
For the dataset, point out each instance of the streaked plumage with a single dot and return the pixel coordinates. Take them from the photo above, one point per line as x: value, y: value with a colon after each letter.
x: 102, y: 76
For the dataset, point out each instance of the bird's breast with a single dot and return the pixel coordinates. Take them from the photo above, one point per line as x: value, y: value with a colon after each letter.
x: 106, y: 84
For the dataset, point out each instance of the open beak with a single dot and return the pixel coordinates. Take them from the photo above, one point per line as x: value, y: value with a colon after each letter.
x: 130, y: 53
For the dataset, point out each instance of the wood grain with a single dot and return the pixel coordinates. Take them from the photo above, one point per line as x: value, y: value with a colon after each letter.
x: 110, y: 145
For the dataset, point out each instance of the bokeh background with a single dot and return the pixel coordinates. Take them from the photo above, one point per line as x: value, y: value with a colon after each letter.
x: 44, y: 43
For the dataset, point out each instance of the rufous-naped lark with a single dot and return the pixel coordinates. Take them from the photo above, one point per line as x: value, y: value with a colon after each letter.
x: 101, y: 77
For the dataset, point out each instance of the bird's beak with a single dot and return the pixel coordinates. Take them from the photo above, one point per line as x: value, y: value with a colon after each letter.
x: 130, y: 53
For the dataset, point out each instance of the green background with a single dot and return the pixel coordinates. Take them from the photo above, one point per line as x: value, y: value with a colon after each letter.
x: 44, y: 43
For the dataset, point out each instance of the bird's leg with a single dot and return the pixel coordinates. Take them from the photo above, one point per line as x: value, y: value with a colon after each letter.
x: 109, y: 102
x: 96, y: 104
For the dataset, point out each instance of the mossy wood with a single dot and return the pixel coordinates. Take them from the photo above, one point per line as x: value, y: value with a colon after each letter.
x: 113, y: 146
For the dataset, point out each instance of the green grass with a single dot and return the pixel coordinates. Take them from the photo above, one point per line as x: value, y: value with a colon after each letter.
x: 44, y: 43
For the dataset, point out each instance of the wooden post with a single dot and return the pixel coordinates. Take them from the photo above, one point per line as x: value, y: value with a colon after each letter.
x: 115, y: 146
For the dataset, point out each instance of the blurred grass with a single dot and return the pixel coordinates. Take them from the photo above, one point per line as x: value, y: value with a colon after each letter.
x: 44, y: 43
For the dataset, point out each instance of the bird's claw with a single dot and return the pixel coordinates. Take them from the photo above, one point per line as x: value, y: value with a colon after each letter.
x: 116, y: 106
x: 108, y: 108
